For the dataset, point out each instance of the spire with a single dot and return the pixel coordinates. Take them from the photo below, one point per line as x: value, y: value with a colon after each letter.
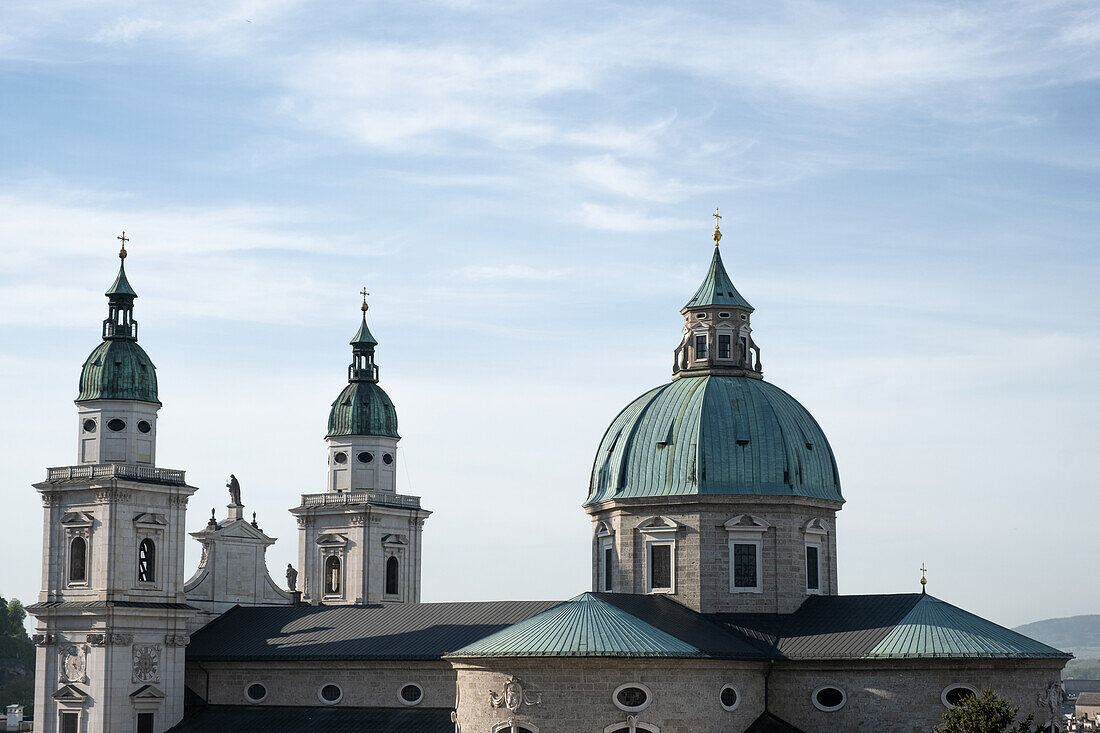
x: 362, y: 367
x: 120, y: 323
x: 717, y: 288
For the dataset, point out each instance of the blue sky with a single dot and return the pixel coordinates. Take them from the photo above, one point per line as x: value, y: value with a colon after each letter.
x: 909, y: 194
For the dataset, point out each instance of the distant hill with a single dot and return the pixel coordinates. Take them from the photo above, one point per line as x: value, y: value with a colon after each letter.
x: 1079, y: 635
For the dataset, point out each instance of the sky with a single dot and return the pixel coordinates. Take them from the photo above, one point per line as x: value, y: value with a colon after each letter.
x: 910, y: 199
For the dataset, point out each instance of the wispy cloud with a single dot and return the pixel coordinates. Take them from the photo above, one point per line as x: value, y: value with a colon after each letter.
x: 609, y: 219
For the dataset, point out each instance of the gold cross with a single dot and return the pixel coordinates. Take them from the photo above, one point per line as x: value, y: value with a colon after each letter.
x: 717, y: 233
x: 124, y: 239
x: 923, y: 570
x: 716, y: 216
x: 364, y: 293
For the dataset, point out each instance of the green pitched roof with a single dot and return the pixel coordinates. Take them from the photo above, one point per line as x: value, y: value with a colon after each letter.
x: 363, y: 335
x: 933, y: 628
x: 121, y: 286
x: 585, y: 626
x: 363, y: 408
x: 717, y: 288
x: 118, y: 369
x: 714, y: 435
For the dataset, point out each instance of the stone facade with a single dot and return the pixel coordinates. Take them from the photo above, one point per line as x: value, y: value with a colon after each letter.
x: 701, y: 533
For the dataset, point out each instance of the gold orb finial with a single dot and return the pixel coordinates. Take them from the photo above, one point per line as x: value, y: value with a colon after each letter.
x: 364, y: 293
x: 122, y: 252
x: 923, y: 580
x: 717, y: 231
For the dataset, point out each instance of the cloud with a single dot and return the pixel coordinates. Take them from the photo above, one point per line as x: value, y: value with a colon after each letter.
x: 499, y: 273
x: 608, y: 219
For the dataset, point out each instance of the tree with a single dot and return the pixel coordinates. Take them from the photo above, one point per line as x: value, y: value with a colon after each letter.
x: 16, y: 656
x: 986, y: 712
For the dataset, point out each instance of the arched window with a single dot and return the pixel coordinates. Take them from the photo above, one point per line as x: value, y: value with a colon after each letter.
x: 332, y: 575
x: 631, y: 727
x: 147, y: 561
x: 78, y: 560
x: 512, y: 726
x: 392, y: 575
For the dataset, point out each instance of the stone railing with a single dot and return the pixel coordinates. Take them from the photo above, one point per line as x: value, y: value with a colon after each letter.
x: 383, y: 498
x: 116, y: 470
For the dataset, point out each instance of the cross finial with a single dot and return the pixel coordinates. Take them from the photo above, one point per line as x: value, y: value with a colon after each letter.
x: 364, y: 293
x: 717, y: 232
x: 124, y: 239
x: 923, y: 580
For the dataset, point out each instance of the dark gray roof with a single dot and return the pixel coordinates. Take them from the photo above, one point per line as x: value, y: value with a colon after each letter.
x: 400, y: 631
x: 1076, y: 687
x: 768, y: 723
x: 316, y: 719
x: 100, y: 605
x: 1089, y: 698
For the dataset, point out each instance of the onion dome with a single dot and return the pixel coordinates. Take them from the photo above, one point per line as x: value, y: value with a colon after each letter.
x: 363, y: 408
x: 119, y: 369
x: 717, y: 428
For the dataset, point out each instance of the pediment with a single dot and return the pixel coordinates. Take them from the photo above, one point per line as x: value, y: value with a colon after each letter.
x: 147, y: 692
x: 816, y: 526
x: 746, y: 523
x: 240, y: 529
x: 71, y: 694
x: 658, y: 524
x: 395, y: 539
x: 77, y: 519
x: 604, y: 530
x: 151, y: 518
x: 331, y: 540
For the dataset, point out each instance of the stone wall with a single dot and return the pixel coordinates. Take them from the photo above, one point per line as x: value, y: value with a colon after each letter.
x: 702, y: 557
x: 299, y: 683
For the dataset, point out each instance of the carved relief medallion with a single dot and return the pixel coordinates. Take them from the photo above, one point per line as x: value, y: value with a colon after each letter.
x: 72, y: 663
x: 146, y: 663
x: 513, y: 696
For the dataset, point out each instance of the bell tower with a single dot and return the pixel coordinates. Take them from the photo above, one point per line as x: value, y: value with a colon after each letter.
x: 359, y: 541
x: 112, y: 616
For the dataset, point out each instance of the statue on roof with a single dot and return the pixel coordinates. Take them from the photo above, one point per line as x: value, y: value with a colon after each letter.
x: 291, y: 577
x: 234, y: 487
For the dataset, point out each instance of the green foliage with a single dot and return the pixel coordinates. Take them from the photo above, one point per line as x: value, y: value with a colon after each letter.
x: 1082, y: 669
x: 16, y: 656
x: 986, y: 712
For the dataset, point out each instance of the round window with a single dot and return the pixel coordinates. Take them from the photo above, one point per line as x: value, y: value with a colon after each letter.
x: 952, y: 695
x: 729, y: 697
x: 744, y: 317
x: 829, y: 699
x: 330, y: 694
x: 89, y: 426
x: 365, y: 457
x: 144, y: 426
x: 631, y: 697
x: 411, y: 694
x: 255, y: 692
x: 340, y: 457
x: 387, y: 458
x: 116, y: 424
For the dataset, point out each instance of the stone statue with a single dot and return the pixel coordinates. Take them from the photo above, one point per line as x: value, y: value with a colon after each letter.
x: 1052, y: 699
x: 234, y: 491
x: 291, y: 577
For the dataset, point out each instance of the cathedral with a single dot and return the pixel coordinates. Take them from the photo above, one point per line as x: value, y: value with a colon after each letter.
x: 714, y: 604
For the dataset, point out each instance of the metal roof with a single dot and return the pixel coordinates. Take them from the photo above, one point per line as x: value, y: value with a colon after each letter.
x: 896, y: 626
x: 363, y: 335
x: 398, y: 631
x: 121, y: 286
x: 714, y: 435
x: 584, y: 626
x: 363, y: 408
x: 118, y: 369
x: 717, y: 288
x: 313, y: 719
x: 933, y: 628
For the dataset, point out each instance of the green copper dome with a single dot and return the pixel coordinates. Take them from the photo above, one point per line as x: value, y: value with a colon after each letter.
x: 712, y: 435
x: 118, y: 369
x: 363, y: 408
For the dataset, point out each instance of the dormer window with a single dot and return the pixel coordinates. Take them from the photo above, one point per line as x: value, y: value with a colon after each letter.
x: 700, y: 347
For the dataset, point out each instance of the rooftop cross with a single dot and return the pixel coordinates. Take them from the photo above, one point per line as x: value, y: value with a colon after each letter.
x: 717, y: 232
x: 122, y: 252
x: 923, y: 580
x: 364, y: 293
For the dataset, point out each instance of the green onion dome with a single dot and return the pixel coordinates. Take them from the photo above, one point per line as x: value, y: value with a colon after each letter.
x: 363, y: 408
x: 714, y: 435
x: 118, y: 369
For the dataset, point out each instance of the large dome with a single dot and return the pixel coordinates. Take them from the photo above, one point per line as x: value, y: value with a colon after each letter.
x: 712, y: 435
x: 363, y: 408
x: 118, y: 369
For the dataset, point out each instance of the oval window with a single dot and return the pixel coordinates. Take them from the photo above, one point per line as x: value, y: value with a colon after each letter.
x: 744, y: 317
x: 411, y: 694
x: 829, y: 698
x: 729, y: 697
x: 144, y: 426
x: 631, y: 697
x: 89, y: 426
x: 330, y: 694
x: 387, y: 458
x: 340, y: 457
x: 365, y: 457
x: 116, y: 424
x: 255, y: 692
x: 723, y: 315
x: 700, y: 316
x: 952, y: 695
